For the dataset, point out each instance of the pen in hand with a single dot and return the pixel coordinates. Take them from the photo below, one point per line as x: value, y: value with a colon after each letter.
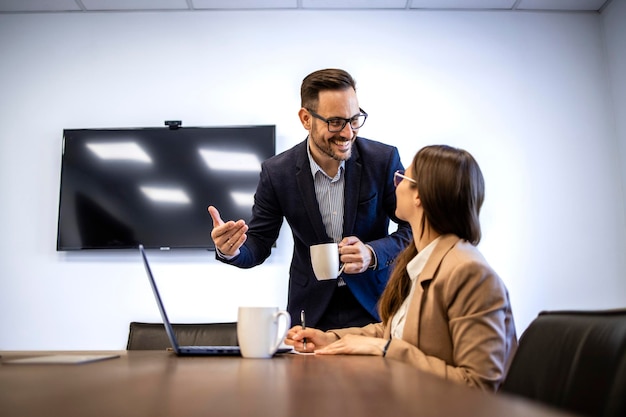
x: 303, y: 323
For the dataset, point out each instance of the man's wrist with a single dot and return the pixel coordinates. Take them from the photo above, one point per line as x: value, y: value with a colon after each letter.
x: 225, y: 257
x: 374, y: 260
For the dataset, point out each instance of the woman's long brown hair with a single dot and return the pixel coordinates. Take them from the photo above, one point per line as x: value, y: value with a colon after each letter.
x: 452, y: 191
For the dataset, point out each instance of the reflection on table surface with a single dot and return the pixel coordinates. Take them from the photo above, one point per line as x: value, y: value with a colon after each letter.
x: 158, y: 383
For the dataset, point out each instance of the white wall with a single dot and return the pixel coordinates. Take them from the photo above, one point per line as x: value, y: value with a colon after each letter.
x: 614, y: 23
x: 527, y: 93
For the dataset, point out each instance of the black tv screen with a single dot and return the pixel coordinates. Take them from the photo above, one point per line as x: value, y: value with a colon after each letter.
x: 123, y: 187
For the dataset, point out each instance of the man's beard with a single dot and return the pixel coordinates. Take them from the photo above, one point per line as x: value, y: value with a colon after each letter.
x: 326, y: 148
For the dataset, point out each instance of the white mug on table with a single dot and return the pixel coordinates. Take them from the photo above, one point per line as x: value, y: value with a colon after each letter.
x: 258, y: 330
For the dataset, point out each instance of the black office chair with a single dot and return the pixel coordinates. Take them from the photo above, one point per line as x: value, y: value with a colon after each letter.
x: 573, y: 360
x: 152, y: 336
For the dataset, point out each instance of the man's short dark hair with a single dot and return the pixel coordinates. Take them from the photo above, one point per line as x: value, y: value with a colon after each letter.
x: 326, y: 79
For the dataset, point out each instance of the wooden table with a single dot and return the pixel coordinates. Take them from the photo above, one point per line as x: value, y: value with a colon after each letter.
x: 157, y: 383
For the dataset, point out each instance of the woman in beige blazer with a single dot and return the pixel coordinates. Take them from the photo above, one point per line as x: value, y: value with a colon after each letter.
x: 444, y: 310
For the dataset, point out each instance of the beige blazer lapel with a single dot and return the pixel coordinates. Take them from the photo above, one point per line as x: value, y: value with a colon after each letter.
x: 413, y: 319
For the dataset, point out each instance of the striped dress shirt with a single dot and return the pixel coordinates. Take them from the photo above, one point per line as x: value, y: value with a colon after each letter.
x: 329, y: 192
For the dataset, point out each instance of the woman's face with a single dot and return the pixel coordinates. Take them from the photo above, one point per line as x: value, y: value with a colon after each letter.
x: 407, y: 197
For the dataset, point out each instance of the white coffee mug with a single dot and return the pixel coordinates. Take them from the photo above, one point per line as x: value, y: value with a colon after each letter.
x: 325, y: 261
x: 257, y: 331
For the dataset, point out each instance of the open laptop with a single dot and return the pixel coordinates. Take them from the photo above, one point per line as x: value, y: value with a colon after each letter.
x: 182, y: 350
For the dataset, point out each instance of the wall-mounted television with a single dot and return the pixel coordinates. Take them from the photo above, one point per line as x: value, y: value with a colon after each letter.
x: 123, y: 187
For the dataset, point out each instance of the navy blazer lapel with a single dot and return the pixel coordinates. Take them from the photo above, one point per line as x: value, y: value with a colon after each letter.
x: 307, y: 192
x: 352, y: 190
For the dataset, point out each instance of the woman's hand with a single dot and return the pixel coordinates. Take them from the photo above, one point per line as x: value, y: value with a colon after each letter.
x: 315, y: 339
x: 354, y: 345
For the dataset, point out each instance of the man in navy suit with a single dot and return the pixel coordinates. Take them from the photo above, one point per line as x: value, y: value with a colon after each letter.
x: 332, y: 187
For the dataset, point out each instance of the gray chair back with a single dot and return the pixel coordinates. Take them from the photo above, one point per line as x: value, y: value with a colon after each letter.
x: 152, y: 336
x: 573, y: 360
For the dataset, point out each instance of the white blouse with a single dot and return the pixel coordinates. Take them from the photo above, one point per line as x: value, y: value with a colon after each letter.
x: 414, y: 268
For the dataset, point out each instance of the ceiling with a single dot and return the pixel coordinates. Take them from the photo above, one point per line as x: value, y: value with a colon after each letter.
x: 99, y: 6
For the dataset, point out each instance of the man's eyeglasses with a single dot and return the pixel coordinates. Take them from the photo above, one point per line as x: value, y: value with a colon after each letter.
x: 398, y: 176
x: 336, y: 124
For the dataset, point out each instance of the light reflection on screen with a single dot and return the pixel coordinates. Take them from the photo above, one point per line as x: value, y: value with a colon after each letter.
x: 129, y: 151
x: 166, y: 195
x: 231, y: 161
x: 242, y: 198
